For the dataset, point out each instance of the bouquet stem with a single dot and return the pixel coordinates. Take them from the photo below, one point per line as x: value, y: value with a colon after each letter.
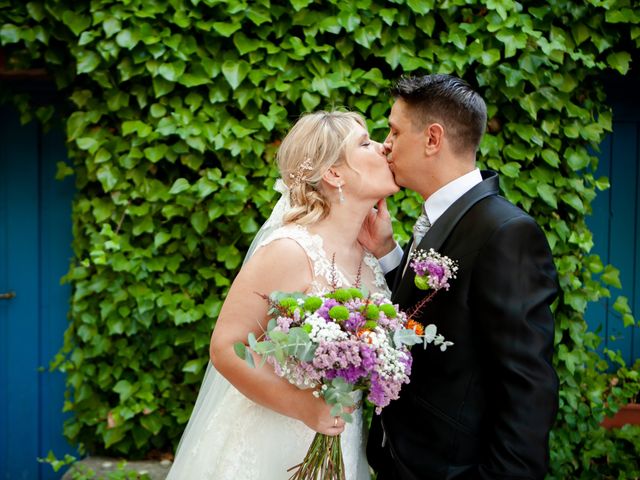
x: 323, y: 460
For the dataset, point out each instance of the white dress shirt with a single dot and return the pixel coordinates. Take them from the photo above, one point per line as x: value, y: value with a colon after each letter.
x: 435, y: 206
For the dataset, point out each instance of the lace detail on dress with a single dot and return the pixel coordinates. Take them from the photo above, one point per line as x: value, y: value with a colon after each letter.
x: 379, y: 281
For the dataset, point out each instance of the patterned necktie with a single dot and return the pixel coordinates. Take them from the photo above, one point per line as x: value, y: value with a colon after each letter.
x: 421, y: 227
x: 419, y: 230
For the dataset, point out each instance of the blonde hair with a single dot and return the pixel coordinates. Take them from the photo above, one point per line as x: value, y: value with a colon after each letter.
x: 315, y: 143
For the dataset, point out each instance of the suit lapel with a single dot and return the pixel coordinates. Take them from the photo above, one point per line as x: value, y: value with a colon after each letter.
x: 441, y: 229
x: 398, y: 276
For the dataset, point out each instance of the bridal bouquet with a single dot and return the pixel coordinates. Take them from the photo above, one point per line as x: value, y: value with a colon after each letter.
x: 337, y: 344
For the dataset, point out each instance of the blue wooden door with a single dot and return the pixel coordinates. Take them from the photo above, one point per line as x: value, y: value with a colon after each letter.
x: 35, y: 249
x: 616, y: 228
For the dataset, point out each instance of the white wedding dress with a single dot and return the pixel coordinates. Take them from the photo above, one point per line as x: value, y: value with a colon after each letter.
x: 229, y: 437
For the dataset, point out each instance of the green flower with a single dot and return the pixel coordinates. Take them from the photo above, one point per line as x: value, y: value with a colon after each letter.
x: 356, y: 293
x: 421, y: 282
x: 370, y: 324
x: 388, y: 310
x: 312, y: 304
x: 339, y: 313
x: 288, y: 302
x: 372, y: 313
x: 342, y: 295
x: 306, y: 327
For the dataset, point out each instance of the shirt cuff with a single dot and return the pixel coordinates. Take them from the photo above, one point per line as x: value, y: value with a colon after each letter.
x: 391, y: 260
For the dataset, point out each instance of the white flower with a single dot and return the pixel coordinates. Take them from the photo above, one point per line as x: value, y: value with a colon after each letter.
x: 389, y: 359
x: 323, y: 331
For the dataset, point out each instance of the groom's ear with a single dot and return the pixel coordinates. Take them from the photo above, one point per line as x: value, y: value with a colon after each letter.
x: 433, y: 138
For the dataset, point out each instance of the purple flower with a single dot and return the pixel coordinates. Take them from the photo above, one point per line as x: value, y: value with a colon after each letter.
x: 436, y: 269
x: 351, y: 374
x: 337, y: 355
x: 354, y: 322
x: 284, y: 323
x: 323, y: 311
x: 368, y: 356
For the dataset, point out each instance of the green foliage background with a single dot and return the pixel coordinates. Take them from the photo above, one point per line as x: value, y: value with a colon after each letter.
x: 174, y: 111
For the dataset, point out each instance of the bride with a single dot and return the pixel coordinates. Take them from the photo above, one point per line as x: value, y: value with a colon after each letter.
x: 249, y: 423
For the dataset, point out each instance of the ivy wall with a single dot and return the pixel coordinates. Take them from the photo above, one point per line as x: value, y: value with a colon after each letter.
x: 174, y: 110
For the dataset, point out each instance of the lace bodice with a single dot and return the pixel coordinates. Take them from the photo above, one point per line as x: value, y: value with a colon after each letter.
x: 325, y: 274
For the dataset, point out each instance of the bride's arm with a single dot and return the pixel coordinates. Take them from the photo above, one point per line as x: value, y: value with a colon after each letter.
x: 281, y: 265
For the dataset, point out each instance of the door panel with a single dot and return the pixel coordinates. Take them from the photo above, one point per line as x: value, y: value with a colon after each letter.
x: 35, y: 239
x: 615, y: 224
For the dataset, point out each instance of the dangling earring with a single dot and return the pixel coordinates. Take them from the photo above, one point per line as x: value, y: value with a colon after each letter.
x: 340, y: 193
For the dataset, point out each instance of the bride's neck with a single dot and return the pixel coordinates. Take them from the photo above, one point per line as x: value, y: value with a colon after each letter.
x: 342, y: 226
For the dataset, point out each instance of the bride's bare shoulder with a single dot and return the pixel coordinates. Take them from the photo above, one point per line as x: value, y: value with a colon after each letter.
x: 281, y: 261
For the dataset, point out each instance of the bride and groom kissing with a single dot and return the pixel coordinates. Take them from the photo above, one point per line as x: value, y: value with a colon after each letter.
x: 481, y: 410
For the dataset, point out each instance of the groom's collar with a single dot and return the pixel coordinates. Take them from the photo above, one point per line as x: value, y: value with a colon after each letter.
x: 441, y: 229
x: 440, y: 201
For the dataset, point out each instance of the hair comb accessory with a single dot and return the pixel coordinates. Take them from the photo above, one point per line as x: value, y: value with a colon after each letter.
x: 299, y: 175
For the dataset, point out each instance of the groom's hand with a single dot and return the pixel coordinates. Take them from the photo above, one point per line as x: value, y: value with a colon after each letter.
x: 376, y: 234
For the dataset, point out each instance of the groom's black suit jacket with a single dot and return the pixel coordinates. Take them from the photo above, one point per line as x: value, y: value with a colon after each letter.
x: 483, y: 408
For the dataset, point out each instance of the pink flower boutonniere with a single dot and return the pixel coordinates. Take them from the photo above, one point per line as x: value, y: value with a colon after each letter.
x: 433, y: 273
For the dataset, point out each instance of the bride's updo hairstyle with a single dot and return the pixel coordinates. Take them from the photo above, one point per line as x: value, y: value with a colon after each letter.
x: 316, y: 143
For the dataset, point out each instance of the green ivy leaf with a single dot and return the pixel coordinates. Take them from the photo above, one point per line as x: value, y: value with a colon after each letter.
x: 107, y: 177
x: 490, y: 57
x: 162, y: 87
x: 550, y: 157
x: 300, y: 4
x: 258, y: 15
x: 235, y: 71
x: 620, y: 61
x: 200, y: 221
x: 9, y: 34
x: 194, y: 366
x: 111, y: 26
x: 248, y: 225
x: 88, y: 61
x: 577, y: 160
x: 574, y: 201
x: 421, y: 6
x: 510, y: 169
x: 245, y: 44
x: 36, y: 10
x: 125, y: 389
x: 126, y: 39
x: 87, y: 143
x: 548, y: 194
x: 172, y: 71
x: 152, y: 422
x: 611, y: 276
x: 179, y: 186
x: 77, y: 23
x: 226, y: 29
x: 63, y: 170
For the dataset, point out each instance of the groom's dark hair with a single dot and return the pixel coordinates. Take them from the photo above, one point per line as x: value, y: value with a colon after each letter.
x: 449, y: 101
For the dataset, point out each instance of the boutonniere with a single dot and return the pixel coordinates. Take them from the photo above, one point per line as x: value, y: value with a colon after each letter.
x: 433, y: 273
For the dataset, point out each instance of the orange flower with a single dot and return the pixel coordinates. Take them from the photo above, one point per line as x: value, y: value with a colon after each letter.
x: 364, y: 331
x: 415, y: 326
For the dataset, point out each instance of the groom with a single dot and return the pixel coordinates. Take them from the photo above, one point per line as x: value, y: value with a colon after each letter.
x: 483, y: 408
